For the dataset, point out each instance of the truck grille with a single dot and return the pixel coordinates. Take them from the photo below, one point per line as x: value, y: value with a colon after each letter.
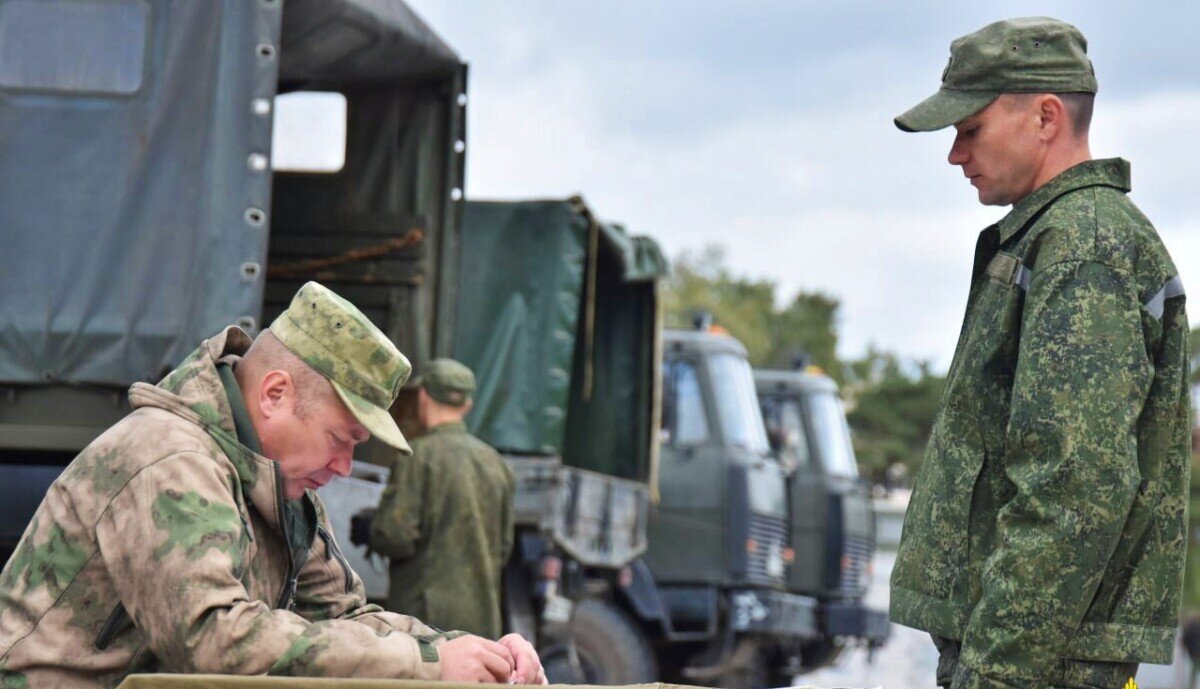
x: 765, y: 565
x: 857, y: 555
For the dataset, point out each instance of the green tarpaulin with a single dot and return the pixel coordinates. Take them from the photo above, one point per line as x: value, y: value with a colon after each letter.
x: 561, y: 311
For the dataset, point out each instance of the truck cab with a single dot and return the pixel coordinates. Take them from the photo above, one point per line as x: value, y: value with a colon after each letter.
x: 830, y: 514
x: 711, y: 590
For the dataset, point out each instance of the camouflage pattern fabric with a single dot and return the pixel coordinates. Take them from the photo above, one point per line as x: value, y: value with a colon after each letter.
x: 161, y: 548
x: 1025, y: 55
x: 331, y: 335
x: 446, y: 522
x: 1047, y: 526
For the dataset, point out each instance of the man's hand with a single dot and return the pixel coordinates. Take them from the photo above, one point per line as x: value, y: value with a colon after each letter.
x: 527, y: 667
x: 475, y: 659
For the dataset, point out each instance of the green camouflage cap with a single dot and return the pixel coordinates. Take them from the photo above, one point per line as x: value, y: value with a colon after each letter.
x: 447, y: 381
x: 334, y: 337
x: 1028, y: 55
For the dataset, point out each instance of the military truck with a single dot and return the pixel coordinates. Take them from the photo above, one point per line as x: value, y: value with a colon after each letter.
x: 141, y: 212
x: 831, y: 518
x: 757, y: 561
x: 143, y: 208
x: 706, y: 603
x: 558, y: 314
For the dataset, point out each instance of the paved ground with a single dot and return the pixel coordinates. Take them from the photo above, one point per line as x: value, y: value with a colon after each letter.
x: 909, y: 660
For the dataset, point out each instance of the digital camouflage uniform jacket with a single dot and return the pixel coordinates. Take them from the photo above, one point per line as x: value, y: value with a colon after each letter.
x: 1047, y: 523
x: 160, y: 548
x: 446, y: 522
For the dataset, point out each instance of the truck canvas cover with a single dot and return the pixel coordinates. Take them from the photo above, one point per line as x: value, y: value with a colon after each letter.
x: 566, y: 315
x: 136, y: 196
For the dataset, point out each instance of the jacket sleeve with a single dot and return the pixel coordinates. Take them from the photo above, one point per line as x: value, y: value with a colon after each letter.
x: 327, y: 588
x: 507, y: 518
x: 175, y: 549
x: 399, y: 526
x: 1070, y: 452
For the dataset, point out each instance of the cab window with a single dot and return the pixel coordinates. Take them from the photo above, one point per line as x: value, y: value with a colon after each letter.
x: 683, y: 420
x: 785, y: 429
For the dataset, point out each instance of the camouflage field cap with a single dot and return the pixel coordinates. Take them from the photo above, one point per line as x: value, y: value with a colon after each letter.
x: 447, y: 381
x: 334, y: 337
x: 1028, y: 55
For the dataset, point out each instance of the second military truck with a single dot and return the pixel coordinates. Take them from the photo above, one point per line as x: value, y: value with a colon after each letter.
x: 762, y: 538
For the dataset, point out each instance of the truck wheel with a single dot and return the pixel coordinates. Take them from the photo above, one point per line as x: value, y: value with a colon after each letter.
x: 819, y: 654
x: 610, y: 647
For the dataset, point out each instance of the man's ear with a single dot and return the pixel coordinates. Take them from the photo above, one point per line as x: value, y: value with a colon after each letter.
x: 1052, y: 117
x: 276, y: 394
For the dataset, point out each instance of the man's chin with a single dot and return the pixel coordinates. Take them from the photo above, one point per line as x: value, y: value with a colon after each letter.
x: 991, y: 199
x: 294, y: 490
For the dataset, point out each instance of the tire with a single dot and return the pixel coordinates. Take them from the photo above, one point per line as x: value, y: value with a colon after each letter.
x: 610, y: 647
x: 818, y: 654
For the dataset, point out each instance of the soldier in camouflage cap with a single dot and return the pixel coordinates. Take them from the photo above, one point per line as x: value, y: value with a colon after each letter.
x: 1045, y: 538
x: 446, y: 518
x: 188, y: 537
x: 366, y: 370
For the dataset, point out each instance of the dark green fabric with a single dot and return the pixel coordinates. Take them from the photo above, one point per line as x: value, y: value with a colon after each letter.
x: 445, y: 520
x: 246, y: 434
x: 608, y: 430
x: 534, y: 348
x: 124, y: 217
x: 524, y: 311
x: 639, y: 258
x: 300, y: 516
x: 446, y: 381
x: 1047, y: 521
x: 1071, y: 674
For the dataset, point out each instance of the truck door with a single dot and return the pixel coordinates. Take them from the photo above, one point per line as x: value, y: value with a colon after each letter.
x: 687, y: 526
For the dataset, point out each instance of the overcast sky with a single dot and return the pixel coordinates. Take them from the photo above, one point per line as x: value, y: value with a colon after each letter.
x: 766, y: 127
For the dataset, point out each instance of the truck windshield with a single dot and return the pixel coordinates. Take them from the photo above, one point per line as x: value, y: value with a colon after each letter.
x: 785, y: 430
x: 737, y: 402
x: 832, y: 434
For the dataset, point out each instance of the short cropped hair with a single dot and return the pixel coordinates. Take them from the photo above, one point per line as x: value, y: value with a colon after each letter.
x: 269, y: 354
x: 1078, y: 105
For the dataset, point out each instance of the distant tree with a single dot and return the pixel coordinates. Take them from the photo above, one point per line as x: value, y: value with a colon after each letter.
x: 892, y: 407
x: 892, y: 401
x: 746, y: 308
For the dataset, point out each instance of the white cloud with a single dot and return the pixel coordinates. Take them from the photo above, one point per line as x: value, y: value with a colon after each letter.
x: 804, y: 183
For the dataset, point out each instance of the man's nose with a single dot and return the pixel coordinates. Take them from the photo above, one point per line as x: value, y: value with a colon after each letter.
x: 959, y: 155
x: 341, y: 463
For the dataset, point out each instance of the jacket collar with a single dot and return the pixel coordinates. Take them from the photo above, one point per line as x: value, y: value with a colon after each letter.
x: 194, y: 391
x: 448, y: 428
x: 1109, y: 172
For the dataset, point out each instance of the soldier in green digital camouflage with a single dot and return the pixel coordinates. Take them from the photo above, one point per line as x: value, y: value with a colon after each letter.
x: 1044, y: 543
x: 445, y: 519
x: 187, y: 538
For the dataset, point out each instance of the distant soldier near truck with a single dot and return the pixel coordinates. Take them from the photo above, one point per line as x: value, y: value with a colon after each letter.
x: 1044, y: 543
x: 446, y: 517
x: 189, y: 538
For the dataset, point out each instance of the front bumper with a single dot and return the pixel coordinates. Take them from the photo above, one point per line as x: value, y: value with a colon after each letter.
x: 856, y: 620
x: 773, y: 613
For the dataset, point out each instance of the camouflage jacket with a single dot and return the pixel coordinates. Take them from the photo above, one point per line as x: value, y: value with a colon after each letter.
x: 1048, y: 520
x: 160, y: 548
x: 445, y: 520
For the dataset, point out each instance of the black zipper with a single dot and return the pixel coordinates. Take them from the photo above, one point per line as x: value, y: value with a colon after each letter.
x: 289, y: 588
x: 331, y: 551
x: 118, y: 620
